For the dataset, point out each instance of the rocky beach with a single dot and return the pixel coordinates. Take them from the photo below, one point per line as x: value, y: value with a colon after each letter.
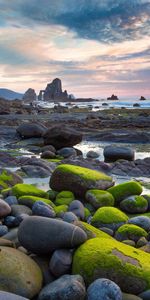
x: 74, y: 222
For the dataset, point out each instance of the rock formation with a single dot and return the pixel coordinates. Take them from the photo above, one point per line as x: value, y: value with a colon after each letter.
x: 142, y: 98
x: 54, y: 91
x: 29, y: 95
x: 113, y: 97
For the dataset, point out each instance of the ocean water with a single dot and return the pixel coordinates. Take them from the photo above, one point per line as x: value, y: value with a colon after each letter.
x: 99, y: 104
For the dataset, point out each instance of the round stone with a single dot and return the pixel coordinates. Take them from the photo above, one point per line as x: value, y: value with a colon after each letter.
x: 104, y: 289
x: 5, y: 209
x: 60, y: 262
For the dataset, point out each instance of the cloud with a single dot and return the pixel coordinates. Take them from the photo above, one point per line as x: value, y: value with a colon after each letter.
x: 106, y: 21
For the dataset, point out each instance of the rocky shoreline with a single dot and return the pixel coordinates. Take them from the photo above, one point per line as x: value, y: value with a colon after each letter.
x: 85, y: 236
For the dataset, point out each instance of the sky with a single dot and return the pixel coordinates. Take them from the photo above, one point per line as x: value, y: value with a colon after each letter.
x: 96, y: 47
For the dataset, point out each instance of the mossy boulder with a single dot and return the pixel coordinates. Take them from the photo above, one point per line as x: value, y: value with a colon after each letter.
x: 130, y: 232
x: 91, y: 231
x: 30, y: 200
x: 8, y: 179
x: 19, y: 274
x: 110, y: 217
x: 99, y: 198
x: 60, y: 209
x: 64, y: 197
x: 134, y: 204
x: 124, y: 190
x: 23, y: 189
x: 108, y: 258
x: 78, y: 179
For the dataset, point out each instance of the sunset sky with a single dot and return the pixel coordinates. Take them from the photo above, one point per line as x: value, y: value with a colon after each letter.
x: 96, y: 47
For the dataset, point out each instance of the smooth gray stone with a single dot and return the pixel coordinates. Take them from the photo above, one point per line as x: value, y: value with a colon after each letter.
x: 67, y: 152
x: 67, y: 287
x: 69, y: 217
x: 102, y: 289
x: 77, y: 208
x: 52, y: 234
x: 142, y: 221
x: 113, y: 153
x: 18, y: 209
x: 10, y: 296
x: 60, y: 262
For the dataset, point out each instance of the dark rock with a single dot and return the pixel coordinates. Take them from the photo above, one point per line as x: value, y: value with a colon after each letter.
x: 62, y: 137
x: 48, y: 154
x: 113, y: 97
x: 92, y: 154
x: 54, y: 91
x: 48, y: 148
x: 113, y: 153
x: 69, y: 217
x: 29, y: 130
x: 67, y: 287
x: 142, y: 98
x: 29, y: 95
x: 145, y: 295
x: 60, y: 262
x: 35, y: 171
x: 141, y: 221
x: 67, y: 152
x: 52, y: 234
x: 102, y: 289
x: 9, y: 221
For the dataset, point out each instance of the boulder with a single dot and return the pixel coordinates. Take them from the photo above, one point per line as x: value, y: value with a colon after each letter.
x: 134, y: 204
x: 29, y: 130
x: 130, y: 232
x: 124, y: 190
x: 53, y: 234
x: 108, y: 258
x: 24, y: 189
x: 110, y: 217
x: 19, y: 273
x: 67, y: 287
x: 99, y: 198
x: 78, y: 179
x: 113, y: 153
x: 61, y: 137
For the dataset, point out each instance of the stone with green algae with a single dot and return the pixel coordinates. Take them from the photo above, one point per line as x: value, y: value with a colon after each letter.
x: 8, y: 179
x: 91, y: 231
x: 99, y: 198
x: 64, y: 197
x: 30, y: 200
x: 110, y: 217
x: 130, y: 232
x: 134, y: 204
x: 78, y: 179
x: 60, y: 209
x: 108, y: 258
x: 124, y: 190
x: 24, y: 189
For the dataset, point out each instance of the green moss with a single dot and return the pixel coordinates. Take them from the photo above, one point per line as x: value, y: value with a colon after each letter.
x: 99, y: 198
x: 52, y: 194
x: 124, y: 190
x: 87, y: 213
x: 134, y: 204
x: 84, y: 173
x: 6, y: 192
x: 30, y: 200
x: 131, y: 230
x: 60, y: 209
x: 5, y: 179
x: 22, y: 189
x: 64, y: 197
x: 108, y: 258
x: 108, y: 215
x: 91, y: 231
x: 55, y: 160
